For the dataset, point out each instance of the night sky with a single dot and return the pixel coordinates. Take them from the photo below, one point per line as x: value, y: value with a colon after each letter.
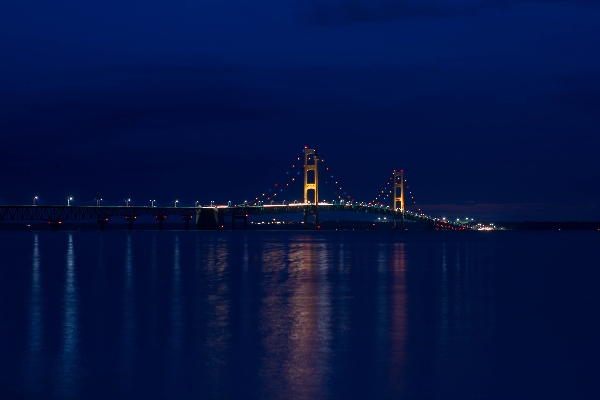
x: 492, y: 107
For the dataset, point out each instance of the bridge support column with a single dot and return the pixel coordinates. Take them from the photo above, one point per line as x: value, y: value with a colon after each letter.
x: 186, y: 219
x: 54, y: 224
x: 401, y: 217
x: 160, y: 219
x: 314, y: 211
x: 130, y: 219
x: 244, y: 217
x: 221, y: 218
x: 102, y: 222
x: 207, y: 219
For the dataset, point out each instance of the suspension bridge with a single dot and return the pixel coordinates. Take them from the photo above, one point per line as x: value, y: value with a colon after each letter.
x: 214, y: 217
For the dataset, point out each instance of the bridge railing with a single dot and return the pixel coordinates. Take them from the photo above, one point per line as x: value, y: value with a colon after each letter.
x: 64, y: 213
x: 56, y: 213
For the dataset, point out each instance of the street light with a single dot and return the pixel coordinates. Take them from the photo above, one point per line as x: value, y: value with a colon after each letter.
x: 34, y: 199
x: 126, y: 202
x: 196, y: 203
x: 176, y: 201
x: 98, y: 201
x: 69, y: 199
x: 152, y: 203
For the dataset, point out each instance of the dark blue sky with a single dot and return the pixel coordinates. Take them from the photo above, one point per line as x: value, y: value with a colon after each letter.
x: 491, y: 107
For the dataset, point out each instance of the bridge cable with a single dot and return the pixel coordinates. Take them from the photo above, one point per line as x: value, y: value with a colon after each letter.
x: 333, y: 184
x: 277, y: 188
x: 385, y: 193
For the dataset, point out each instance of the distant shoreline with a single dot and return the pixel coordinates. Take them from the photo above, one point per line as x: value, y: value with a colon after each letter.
x: 549, y: 226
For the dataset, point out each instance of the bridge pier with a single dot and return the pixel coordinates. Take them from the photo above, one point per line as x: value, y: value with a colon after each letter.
x: 102, y: 222
x: 130, y: 219
x: 314, y: 211
x: 221, y: 218
x: 186, y: 219
x: 54, y: 224
x: 401, y: 221
x: 207, y: 219
x: 160, y: 219
x: 244, y: 217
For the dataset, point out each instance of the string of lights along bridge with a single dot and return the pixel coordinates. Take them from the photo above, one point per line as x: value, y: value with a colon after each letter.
x: 212, y: 217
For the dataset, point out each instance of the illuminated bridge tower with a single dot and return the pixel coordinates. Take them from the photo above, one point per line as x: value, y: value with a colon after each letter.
x: 311, y: 183
x: 399, y: 196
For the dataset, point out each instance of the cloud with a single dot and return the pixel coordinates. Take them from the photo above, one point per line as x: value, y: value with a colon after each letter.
x: 331, y: 13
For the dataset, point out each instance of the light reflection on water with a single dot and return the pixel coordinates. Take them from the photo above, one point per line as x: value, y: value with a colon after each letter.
x: 308, y: 343
x: 258, y: 316
x: 398, y: 330
x: 153, y: 290
x: 174, y: 383
x: 126, y: 367
x: 34, y: 362
x: 216, y: 310
x: 68, y: 370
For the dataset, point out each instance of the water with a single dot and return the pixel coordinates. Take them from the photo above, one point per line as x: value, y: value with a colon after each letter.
x: 293, y: 315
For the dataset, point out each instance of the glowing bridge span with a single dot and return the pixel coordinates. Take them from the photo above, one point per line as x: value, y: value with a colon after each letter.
x: 213, y: 217
x: 205, y: 217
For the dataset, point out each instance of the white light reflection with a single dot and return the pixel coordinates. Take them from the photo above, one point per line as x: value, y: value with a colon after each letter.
x: 198, y: 309
x: 216, y: 310
x: 126, y: 366
x: 276, y: 329
x: 69, y: 355
x: 174, y: 375
x: 33, y: 365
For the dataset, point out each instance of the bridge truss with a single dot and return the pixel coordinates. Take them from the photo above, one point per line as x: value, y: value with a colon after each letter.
x: 57, y: 214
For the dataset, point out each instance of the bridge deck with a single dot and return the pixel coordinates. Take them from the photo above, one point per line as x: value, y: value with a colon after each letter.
x: 64, y: 213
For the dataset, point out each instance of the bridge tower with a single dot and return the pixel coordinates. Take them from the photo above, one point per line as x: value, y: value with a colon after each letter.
x: 314, y: 166
x: 399, y: 195
x: 311, y: 164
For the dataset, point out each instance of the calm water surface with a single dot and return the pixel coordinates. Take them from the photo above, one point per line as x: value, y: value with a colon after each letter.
x: 292, y: 315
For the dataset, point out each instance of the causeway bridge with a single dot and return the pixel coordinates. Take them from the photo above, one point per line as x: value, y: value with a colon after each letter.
x: 213, y: 217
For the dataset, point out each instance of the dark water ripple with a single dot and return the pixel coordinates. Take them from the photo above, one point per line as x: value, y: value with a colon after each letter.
x: 284, y: 315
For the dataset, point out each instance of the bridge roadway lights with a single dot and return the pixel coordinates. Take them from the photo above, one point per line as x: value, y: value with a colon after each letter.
x: 160, y: 219
x: 186, y: 219
x: 244, y: 217
x: 130, y: 219
x: 53, y: 224
x: 102, y: 222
